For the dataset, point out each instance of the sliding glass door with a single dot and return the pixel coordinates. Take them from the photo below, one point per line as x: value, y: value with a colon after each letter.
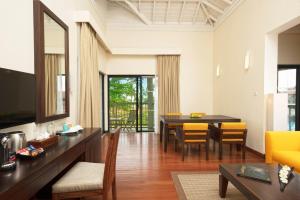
x: 131, y: 103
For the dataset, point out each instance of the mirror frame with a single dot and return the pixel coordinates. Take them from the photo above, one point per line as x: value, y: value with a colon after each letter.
x: 39, y: 61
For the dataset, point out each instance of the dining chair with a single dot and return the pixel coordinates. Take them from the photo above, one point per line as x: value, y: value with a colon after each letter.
x: 232, y: 133
x: 193, y: 133
x: 86, y: 179
x: 130, y: 122
x: 172, y: 127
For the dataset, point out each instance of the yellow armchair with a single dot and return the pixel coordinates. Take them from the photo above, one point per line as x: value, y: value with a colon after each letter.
x: 283, y: 147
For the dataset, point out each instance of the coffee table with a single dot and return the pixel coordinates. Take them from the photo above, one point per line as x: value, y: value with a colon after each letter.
x: 253, y: 189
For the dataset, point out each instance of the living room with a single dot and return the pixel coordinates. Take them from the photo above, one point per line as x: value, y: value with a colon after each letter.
x: 230, y: 61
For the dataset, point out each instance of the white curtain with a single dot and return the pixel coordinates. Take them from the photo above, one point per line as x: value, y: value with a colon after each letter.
x: 51, y: 72
x: 168, y: 84
x: 89, y: 78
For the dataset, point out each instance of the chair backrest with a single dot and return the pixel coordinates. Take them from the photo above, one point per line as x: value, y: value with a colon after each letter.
x: 174, y: 114
x: 195, y: 132
x: 233, y: 131
x: 132, y: 116
x: 110, y: 160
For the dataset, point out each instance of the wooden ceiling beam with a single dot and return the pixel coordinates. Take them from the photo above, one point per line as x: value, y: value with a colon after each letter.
x: 206, y: 14
x: 167, y: 11
x: 227, y: 1
x: 134, y: 10
x: 213, y: 18
x: 139, y: 5
x: 212, y: 6
x: 180, y: 15
x: 196, y: 13
x: 153, y: 10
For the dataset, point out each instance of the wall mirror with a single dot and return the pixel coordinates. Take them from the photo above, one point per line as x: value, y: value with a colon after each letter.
x: 51, y: 64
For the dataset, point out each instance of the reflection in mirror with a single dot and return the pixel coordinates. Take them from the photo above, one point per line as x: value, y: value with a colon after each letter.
x: 55, y: 81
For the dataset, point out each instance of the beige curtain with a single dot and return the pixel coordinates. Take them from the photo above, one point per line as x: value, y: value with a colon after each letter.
x: 89, y: 78
x: 51, y: 72
x: 168, y: 84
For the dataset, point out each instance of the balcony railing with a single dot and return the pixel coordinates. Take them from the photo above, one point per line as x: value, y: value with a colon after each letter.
x: 127, y: 116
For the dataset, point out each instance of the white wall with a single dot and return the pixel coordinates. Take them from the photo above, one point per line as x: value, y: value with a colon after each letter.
x: 289, y: 48
x: 195, y: 67
x: 131, y: 64
x: 17, y: 44
x: 238, y: 92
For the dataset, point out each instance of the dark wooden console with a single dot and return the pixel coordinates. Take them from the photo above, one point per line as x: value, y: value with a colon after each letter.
x: 31, y: 176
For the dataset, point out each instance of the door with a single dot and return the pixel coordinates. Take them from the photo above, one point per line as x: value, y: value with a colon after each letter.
x: 146, y: 104
x: 288, y: 82
x: 131, y: 103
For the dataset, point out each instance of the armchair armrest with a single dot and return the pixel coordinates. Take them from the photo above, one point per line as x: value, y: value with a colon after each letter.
x: 281, y: 141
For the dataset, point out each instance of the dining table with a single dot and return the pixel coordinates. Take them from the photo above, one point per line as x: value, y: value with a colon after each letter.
x: 166, y: 120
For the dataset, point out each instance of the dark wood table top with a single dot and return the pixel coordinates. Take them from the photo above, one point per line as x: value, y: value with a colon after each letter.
x: 253, y: 189
x: 27, y: 168
x: 204, y: 119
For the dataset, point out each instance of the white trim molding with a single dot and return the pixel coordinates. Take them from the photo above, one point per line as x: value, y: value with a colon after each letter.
x: 85, y: 16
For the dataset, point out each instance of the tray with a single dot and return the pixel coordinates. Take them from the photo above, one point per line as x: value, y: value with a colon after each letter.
x: 46, y: 143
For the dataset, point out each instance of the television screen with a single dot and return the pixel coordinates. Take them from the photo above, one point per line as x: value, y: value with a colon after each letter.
x: 17, y: 98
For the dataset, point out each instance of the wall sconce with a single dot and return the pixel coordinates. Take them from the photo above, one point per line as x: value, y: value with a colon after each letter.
x: 247, y: 60
x: 218, y: 71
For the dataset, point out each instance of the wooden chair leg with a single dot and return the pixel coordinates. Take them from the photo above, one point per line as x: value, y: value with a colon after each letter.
x: 114, y: 189
x: 207, y: 149
x: 214, y: 145
x: 220, y: 150
x: 230, y: 148
x: 238, y: 147
x: 175, y: 145
x: 244, y: 152
x: 182, y: 151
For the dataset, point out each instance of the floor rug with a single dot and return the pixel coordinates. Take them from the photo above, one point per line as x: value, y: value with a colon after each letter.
x: 202, y: 186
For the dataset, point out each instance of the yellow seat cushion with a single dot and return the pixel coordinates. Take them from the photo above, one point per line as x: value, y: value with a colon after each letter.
x: 290, y: 158
x: 195, y: 126
x: 233, y: 125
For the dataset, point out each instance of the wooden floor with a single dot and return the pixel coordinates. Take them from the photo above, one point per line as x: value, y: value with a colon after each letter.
x: 144, y: 170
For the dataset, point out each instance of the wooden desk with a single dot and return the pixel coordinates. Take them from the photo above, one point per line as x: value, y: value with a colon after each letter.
x: 32, y: 175
x: 165, y: 120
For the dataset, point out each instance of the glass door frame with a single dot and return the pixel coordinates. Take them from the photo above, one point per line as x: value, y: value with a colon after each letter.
x: 139, y: 99
x: 297, y: 109
x: 102, y: 96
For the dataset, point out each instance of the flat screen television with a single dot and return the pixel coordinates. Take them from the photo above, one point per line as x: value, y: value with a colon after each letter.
x: 17, y: 98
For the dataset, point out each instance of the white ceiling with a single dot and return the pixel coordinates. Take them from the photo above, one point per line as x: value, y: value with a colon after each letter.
x: 176, y: 12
